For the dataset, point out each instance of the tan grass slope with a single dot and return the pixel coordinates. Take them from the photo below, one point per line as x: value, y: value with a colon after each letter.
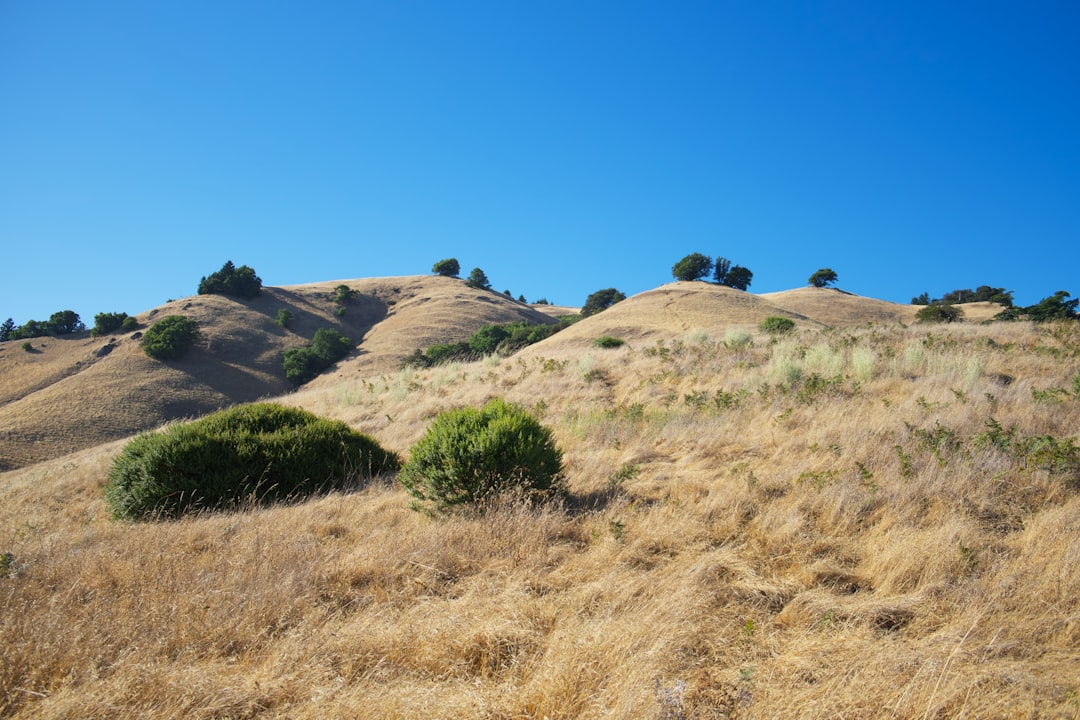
x: 857, y: 523
x: 77, y: 392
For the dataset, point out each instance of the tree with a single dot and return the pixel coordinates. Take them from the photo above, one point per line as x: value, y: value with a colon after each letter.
x: 65, y: 322
x: 739, y: 278
x: 939, y: 312
x: 601, y: 300
x: 694, y: 266
x: 823, y: 278
x: 923, y: 299
x: 241, y: 282
x: 486, y: 340
x: 107, y: 322
x: 6, y: 329
x: 1055, y: 307
x: 170, y: 337
x: 722, y: 268
x: 477, y: 279
x: 449, y: 267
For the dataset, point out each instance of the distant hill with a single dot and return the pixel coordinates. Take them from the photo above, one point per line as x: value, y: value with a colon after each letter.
x: 76, y: 392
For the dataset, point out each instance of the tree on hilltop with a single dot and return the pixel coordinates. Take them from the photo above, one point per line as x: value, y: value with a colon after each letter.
x: 738, y: 277
x: 823, y: 278
x: 449, y: 267
x: 478, y: 279
x: 694, y: 266
x: 601, y: 300
x: 241, y: 282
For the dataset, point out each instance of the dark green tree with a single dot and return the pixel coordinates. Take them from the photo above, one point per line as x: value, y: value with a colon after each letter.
x: 170, y: 337
x: 449, y: 267
x: 739, y: 277
x: 694, y: 266
x: 241, y: 282
x: 478, y: 279
x: 65, y: 322
x: 326, y: 348
x: 107, y: 322
x: 923, y: 299
x: 823, y: 278
x: 6, y: 329
x: 1055, y: 307
x: 601, y: 300
x: 721, y: 270
x: 486, y: 340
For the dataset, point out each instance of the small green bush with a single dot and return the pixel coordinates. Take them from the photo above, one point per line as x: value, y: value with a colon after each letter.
x: 468, y: 456
x: 130, y: 323
x: 284, y: 318
x: 939, y: 313
x: 777, y: 325
x: 607, y: 341
x: 170, y: 337
x: 28, y: 346
x: 253, y: 454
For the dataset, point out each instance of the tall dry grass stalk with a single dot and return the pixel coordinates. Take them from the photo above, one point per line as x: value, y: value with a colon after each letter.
x: 861, y: 523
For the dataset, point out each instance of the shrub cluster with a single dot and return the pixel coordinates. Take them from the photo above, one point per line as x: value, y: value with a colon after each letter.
x: 253, y: 454
x: 470, y: 456
x: 327, y: 347
x: 937, y: 312
x: 64, y: 322
x: 502, y: 339
x: 241, y: 282
x: 170, y: 337
x: 1055, y: 307
x: 777, y: 325
x: 109, y: 322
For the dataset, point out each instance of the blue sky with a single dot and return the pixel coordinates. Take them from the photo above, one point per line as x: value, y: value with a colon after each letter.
x: 562, y: 146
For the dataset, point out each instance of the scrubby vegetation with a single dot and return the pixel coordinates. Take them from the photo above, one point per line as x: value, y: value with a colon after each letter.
x: 776, y: 325
x: 64, y: 322
x: 327, y: 347
x: 241, y: 282
x: 488, y: 339
x: 470, y: 456
x: 245, y: 456
x: 608, y: 342
x: 170, y: 338
x: 109, y: 322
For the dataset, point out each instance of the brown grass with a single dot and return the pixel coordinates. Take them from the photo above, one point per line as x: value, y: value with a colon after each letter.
x: 813, y: 527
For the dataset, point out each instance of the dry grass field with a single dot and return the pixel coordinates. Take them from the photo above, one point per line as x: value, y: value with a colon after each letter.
x: 862, y: 519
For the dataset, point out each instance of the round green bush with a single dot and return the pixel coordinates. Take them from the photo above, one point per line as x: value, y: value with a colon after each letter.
x: 777, y: 325
x: 469, y: 456
x: 170, y: 337
x: 939, y: 313
x: 608, y: 342
x: 252, y: 454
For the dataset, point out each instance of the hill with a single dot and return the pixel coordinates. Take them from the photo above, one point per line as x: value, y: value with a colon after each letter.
x: 76, y: 392
x: 879, y: 520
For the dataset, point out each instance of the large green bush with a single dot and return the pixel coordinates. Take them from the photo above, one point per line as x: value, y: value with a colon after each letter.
x: 777, y: 325
x: 937, y: 312
x: 252, y: 454
x: 468, y: 456
x: 170, y: 337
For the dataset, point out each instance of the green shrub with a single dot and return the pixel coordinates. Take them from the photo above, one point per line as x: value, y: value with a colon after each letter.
x: 939, y: 313
x: 449, y: 267
x: 253, y: 454
x: 777, y: 325
x: 129, y: 324
x: 105, y: 323
x: 327, y: 347
x: 170, y: 337
x: 607, y: 341
x: 28, y: 346
x: 284, y: 318
x: 468, y: 456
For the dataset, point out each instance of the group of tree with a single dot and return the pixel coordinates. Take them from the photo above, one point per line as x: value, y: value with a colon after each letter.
x: 1054, y: 307
x: 326, y: 348
x: 983, y: 293
x: 65, y: 322
x: 488, y: 340
x: 241, y: 282
x: 696, y: 266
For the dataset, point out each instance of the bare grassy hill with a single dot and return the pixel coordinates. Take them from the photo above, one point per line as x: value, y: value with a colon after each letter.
x: 73, y: 393
x: 874, y: 521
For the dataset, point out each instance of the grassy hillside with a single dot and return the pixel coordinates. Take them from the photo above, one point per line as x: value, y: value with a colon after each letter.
x: 76, y: 392
x: 878, y: 520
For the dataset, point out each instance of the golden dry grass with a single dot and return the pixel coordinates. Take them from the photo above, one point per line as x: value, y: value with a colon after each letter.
x: 814, y: 527
x: 74, y: 393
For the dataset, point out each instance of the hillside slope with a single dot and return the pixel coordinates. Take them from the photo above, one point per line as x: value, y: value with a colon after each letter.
x: 73, y: 393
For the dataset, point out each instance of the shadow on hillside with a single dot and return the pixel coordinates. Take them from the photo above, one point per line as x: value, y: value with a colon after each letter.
x: 362, y: 313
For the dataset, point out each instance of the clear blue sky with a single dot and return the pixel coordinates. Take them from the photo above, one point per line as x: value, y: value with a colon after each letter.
x: 562, y: 146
